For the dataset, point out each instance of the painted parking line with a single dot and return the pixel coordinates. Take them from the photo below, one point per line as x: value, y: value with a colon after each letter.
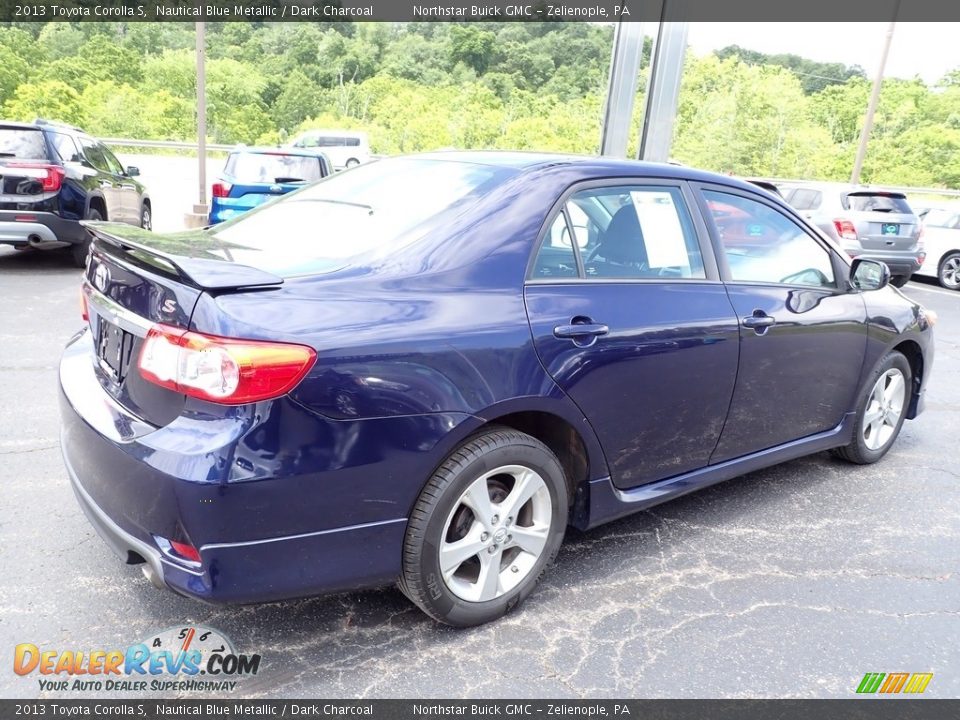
x: 938, y: 291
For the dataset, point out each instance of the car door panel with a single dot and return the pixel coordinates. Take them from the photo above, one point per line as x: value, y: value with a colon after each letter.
x: 657, y: 386
x: 635, y: 325
x: 802, y: 336
x: 798, y: 376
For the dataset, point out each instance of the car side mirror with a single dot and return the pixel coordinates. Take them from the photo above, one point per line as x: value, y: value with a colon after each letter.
x: 868, y: 274
x: 132, y: 171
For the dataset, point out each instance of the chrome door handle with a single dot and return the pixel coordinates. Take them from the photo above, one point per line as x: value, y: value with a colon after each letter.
x: 577, y: 330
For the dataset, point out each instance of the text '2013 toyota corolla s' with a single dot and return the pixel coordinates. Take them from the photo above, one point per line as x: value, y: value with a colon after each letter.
x: 423, y: 369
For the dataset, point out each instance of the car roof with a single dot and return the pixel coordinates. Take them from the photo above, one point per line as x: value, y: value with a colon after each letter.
x: 594, y: 165
x: 20, y: 125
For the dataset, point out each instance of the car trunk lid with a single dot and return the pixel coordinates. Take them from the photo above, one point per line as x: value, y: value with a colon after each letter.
x: 133, y: 282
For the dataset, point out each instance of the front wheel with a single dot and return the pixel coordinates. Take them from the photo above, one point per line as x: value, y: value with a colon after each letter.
x: 484, y: 528
x: 352, y: 162
x: 949, y: 271
x: 881, y: 410
x: 146, y: 217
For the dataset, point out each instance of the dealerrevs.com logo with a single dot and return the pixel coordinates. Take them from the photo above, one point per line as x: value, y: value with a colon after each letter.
x: 176, y: 659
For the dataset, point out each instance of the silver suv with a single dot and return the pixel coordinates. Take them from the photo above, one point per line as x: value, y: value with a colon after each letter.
x: 865, y: 222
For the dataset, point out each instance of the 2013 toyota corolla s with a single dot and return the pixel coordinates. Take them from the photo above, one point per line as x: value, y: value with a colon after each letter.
x: 423, y: 369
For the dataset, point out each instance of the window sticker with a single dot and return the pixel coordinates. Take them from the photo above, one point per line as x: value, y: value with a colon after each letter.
x: 662, y: 232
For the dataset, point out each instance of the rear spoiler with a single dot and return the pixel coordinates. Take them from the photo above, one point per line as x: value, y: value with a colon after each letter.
x: 202, y: 273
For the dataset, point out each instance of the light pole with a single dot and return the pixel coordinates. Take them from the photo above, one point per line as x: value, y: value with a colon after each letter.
x: 198, y: 218
x: 874, y: 100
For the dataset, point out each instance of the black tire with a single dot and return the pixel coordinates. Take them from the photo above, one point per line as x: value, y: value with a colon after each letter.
x: 857, y: 451
x: 146, y: 217
x: 421, y: 579
x: 947, y: 274
x: 80, y: 250
x: 898, y: 281
x: 351, y: 162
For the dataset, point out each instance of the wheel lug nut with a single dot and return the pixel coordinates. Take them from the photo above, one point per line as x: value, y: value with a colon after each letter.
x: 510, y: 520
x: 484, y: 537
x: 492, y: 549
x: 514, y: 568
x: 495, y: 520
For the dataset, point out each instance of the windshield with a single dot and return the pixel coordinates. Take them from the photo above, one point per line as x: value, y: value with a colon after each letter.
x: 373, y: 209
x: 21, y: 143
x: 272, y: 168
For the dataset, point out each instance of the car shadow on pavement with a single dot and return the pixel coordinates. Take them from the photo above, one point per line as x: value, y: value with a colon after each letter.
x: 29, y: 260
x: 332, y: 636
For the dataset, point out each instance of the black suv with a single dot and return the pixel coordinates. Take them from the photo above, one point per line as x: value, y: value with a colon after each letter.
x: 52, y: 176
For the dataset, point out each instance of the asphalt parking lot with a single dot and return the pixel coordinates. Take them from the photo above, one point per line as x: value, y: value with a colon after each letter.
x: 794, y: 581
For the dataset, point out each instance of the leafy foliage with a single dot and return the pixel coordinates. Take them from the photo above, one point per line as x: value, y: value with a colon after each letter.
x: 423, y: 86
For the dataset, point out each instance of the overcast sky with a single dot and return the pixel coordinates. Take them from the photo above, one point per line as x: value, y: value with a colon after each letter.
x: 929, y: 50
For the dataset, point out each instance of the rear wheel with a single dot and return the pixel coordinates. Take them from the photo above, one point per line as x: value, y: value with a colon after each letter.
x: 80, y: 250
x: 949, y: 271
x: 881, y: 410
x: 485, y: 527
x: 352, y: 162
x: 898, y: 281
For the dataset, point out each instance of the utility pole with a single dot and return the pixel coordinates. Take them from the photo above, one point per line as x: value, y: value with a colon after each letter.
x: 198, y: 218
x: 874, y: 100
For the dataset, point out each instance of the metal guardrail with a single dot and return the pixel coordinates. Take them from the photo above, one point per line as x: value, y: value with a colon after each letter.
x: 947, y: 192
x: 170, y: 144
x: 184, y: 145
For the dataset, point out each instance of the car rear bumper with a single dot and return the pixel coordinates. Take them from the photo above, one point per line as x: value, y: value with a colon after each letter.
x: 323, y: 512
x: 899, y: 264
x: 41, y: 230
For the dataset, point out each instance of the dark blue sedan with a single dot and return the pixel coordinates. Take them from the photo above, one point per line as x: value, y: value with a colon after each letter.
x: 422, y: 370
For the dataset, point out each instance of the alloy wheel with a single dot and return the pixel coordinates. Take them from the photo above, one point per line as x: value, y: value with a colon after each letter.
x: 884, y: 408
x: 950, y: 272
x: 495, y: 533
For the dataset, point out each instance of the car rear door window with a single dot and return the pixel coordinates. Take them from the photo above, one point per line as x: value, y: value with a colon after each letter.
x: 557, y: 257
x: 65, y: 146
x: 763, y: 245
x: 806, y: 199
x: 632, y: 232
x: 93, y: 154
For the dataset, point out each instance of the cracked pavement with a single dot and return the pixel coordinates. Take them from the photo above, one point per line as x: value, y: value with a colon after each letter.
x: 790, y: 582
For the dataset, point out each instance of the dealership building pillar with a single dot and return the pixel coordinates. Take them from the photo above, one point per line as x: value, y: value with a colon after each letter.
x: 663, y: 90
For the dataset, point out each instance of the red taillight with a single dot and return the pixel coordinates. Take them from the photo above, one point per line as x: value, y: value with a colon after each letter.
x: 223, y: 370
x: 50, y: 176
x: 84, y: 310
x: 187, y: 552
x: 845, y: 229
x: 221, y: 189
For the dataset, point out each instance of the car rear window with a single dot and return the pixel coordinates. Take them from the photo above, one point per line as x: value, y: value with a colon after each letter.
x: 371, y: 211
x: 876, y: 202
x: 272, y: 168
x: 22, y: 143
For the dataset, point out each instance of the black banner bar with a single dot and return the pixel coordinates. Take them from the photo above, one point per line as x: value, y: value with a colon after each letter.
x: 853, y: 11
x: 854, y: 709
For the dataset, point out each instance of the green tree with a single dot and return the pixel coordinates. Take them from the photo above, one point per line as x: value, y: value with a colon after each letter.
x: 50, y: 99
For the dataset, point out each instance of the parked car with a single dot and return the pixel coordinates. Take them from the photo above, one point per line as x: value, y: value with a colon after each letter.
x: 345, y: 148
x: 422, y: 370
x: 866, y: 222
x: 53, y: 176
x: 942, y: 243
x: 252, y: 176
